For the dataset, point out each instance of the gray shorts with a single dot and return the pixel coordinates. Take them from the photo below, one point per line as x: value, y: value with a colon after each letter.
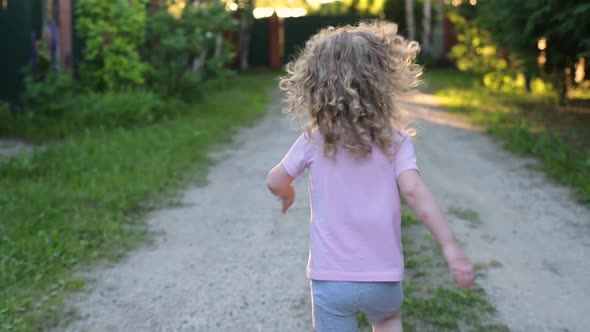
x: 336, y: 304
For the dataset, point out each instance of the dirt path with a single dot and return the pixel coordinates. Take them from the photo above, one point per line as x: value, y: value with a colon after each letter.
x: 10, y: 148
x: 532, y: 227
x: 227, y: 261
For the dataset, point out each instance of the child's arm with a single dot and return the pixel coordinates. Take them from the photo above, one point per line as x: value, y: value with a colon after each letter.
x: 421, y: 200
x: 280, y: 184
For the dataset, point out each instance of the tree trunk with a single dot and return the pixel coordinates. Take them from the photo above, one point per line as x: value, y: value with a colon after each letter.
x: 560, y: 82
x: 218, y: 45
x: 410, y: 19
x: 199, y: 60
x: 565, y: 81
x: 426, y: 27
x: 527, y: 82
x: 155, y: 5
x: 563, y: 94
x: 245, y: 33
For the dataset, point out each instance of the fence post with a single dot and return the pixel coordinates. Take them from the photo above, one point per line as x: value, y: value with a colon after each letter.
x: 274, y: 41
x: 65, y: 36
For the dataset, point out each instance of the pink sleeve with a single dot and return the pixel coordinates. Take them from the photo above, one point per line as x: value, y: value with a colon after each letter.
x: 295, y: 161
x: 405, y: 159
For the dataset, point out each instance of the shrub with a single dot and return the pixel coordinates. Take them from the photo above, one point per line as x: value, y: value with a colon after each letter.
x: 47, y: 98
x: 116, y: 110
x: 4, y: 110
x: 112, y: 32
x: 90, y: 111
x: 47, y: 94
x: 475, y: 50
x: 102, y: 111
x: 515, y: 83
x: 188, y: 48
x: 5, y: 118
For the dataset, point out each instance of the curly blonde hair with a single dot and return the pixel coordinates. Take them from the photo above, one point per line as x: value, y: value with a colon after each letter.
x: 345, y: 81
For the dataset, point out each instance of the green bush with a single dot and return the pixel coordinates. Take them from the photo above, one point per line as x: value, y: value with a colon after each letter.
x: 116, y: 110
x: 516, y: 83
x: 113, y: 32
x: 5, y: 117
x: 188, y: 56
x: 187, y: 48
x: 475, y: 51
x: 4, y: 110
x: 90, y: 111
x: 47, y: 94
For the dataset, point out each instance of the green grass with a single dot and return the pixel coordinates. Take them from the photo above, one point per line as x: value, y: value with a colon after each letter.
x: 83, y: 199
x: 431, y: 301
x: 469, y: 215
x: 529, y: 124
x: 92, y: 111
x: 493, y: 264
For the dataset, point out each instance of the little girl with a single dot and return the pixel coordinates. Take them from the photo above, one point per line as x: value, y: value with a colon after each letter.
x: 360, y: 158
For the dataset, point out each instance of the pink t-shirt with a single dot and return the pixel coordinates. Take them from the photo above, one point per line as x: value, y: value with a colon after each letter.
x: 355, y: 229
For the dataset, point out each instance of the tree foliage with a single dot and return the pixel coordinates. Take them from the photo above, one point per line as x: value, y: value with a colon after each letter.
x: 351, y: 7
x: 189, y: 47
x: 396, y: 11
x: 112, y: 32
x: 475, y: 50
x: 519, y: 25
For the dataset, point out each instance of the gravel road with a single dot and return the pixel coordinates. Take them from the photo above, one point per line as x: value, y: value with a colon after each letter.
x: 527, y: 223
x: 226, y: 260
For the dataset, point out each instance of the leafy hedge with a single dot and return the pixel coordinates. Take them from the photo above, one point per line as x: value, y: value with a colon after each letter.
x: 113, y: 32
x: 90, y: 111
x: 132, y: 64
x: 188, y: 49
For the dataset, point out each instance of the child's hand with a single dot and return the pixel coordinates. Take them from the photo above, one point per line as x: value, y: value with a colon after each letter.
x: 287, y: 198
x: 280, y: 184
x: 462, y: 270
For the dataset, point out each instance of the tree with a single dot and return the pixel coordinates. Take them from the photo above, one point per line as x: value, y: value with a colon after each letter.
x: 426, y: 27
x: 394, y: 10
x: 410, y: 24
x: 349, y: 7
x: 245, y: 8
x: 520, y: 25
x: 475, y: 50
x: 190, y: 47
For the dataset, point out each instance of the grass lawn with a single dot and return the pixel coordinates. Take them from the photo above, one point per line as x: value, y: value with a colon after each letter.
x: 84, y: 198
x: 528, y: 124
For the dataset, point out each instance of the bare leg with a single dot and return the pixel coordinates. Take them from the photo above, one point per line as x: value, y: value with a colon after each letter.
x: 392, y: 324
